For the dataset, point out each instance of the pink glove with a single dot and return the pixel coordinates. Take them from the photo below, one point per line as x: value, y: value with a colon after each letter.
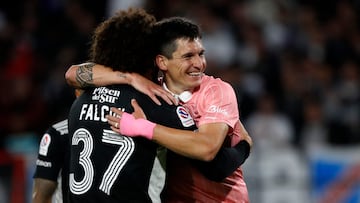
x: 132, y: 127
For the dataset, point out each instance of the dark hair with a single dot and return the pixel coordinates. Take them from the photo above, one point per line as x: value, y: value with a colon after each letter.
x: 121, y: 41
x: 168, y: 30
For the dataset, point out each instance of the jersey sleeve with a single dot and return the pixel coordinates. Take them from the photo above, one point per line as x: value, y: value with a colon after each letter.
x: 52, y: 152
x: 220, y: 105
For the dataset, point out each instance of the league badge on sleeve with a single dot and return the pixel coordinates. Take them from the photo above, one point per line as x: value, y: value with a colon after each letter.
x: 184, y: 116
x: 44, y: 144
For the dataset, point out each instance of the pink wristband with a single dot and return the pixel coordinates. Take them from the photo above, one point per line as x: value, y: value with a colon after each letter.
x: 132, y: 127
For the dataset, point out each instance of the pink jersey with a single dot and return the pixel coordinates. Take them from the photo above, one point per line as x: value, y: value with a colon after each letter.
x: 214, y: 101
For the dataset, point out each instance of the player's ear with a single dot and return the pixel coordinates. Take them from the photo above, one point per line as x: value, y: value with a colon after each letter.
x: 161, y: 62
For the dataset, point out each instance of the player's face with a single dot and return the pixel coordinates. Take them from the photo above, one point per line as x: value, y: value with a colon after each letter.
x: 185, y: 69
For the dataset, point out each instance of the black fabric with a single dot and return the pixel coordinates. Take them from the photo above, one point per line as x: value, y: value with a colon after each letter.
x: 55, y: 160
x: 227, y: 160
x: 134, y: 157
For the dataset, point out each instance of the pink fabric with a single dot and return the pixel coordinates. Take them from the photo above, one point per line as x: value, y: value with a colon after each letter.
x: 132, y: 127
x: 214, y: 101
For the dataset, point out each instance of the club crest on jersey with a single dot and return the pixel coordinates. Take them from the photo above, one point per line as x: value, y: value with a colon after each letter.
x: 44, y: 144
x: 184, y: 116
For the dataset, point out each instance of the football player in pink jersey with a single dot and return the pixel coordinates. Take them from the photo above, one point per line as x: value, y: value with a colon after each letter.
x: 213, y: 106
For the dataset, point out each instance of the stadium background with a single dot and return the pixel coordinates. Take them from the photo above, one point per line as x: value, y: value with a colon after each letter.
x: 293, y: 63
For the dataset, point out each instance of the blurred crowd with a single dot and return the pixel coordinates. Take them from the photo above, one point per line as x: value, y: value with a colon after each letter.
x: 293, y: 63
x: 39, y: 41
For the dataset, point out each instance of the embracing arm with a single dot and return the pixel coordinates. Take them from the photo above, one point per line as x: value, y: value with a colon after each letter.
x: 203, y: 144
x: 212, y: 160
x: 204, y: 147
x: 91, y: 74
x: 228, y: 159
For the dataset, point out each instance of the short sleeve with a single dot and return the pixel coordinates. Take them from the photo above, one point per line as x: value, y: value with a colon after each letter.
x: 51, y: 155
x: 218, y: 104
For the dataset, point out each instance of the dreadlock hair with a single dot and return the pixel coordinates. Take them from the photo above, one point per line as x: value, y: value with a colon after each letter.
x: 122, y: 41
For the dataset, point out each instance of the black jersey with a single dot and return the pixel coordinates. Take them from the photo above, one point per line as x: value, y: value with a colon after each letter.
x: 108, y: 167
x: 53, y: 157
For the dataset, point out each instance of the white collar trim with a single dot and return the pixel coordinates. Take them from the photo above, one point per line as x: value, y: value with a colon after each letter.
x: 183, y: 97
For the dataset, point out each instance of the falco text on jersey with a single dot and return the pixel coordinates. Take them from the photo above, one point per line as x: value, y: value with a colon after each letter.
x: 94, y: 112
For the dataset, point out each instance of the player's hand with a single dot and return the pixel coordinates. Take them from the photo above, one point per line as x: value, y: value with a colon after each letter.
x: 114, y: 119
x: 151, y: 89
x: 132, y: 125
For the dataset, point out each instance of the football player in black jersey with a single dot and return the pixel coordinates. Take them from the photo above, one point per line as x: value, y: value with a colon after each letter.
x: 50, y: 178
x: 51, y: 172
x: 106, y: 167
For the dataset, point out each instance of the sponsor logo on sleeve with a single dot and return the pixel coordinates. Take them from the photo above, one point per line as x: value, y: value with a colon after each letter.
x: 217, y: 109
x: 45, y: 164
x: 44, y: 144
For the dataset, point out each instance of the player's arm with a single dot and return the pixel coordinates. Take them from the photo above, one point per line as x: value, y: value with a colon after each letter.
x: 43, y: 190
x: 227, y: 160
x: 206, y: 145
x: 91, y: 74
x: 203, y: 144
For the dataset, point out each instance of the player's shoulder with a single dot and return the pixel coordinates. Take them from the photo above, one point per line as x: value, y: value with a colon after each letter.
x: 172, y: 116
x: 124, y: 87
x: 115, y: 90
x: 145, y: 101
x: 56, y: 135
x: 211, y: 82
x: 57, y: 131
x: 60, y: 128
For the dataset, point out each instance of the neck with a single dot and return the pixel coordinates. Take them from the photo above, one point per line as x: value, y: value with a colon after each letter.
x: 184, y: 96
x: 171, y: 90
